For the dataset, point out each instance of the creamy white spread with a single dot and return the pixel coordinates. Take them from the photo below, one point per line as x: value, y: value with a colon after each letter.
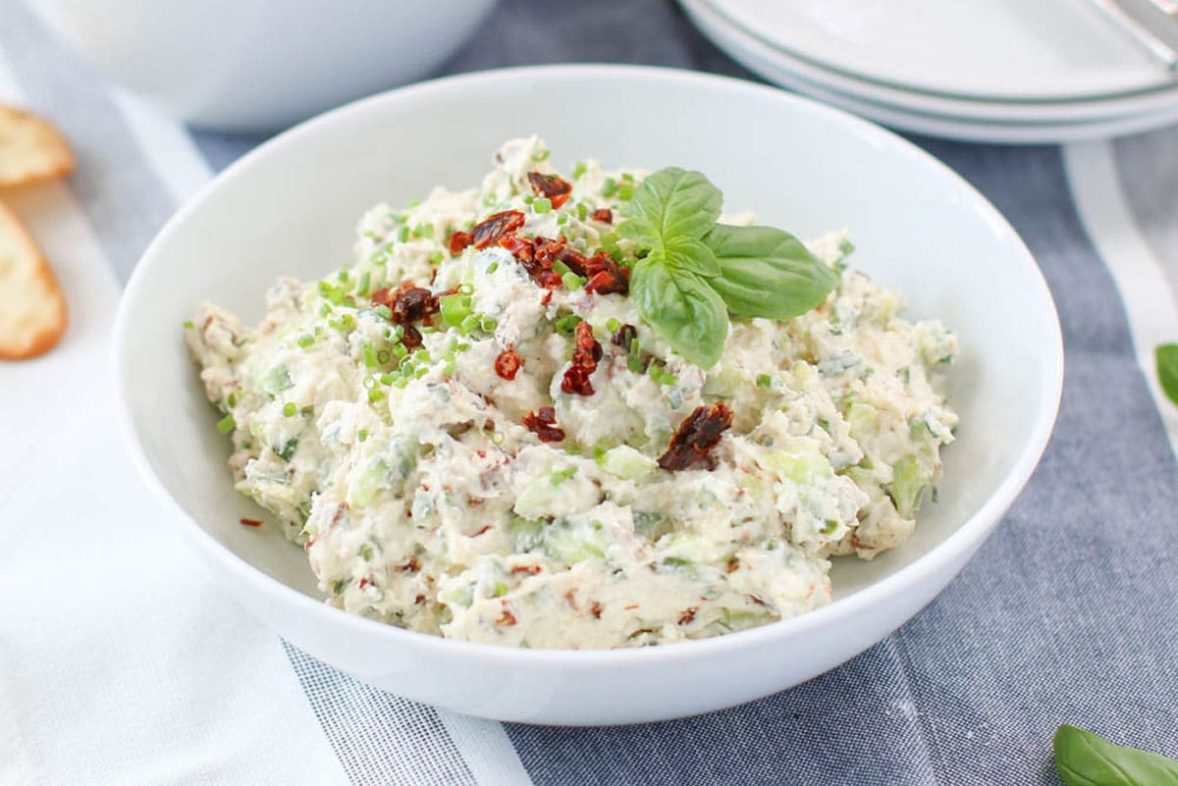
x: 422, y: 500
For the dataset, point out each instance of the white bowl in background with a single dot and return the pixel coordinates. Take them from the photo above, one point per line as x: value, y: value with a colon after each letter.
x: 290, y: 207
x: 259, y: 65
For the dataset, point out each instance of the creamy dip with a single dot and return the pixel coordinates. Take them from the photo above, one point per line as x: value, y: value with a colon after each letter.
x: 474, y: 447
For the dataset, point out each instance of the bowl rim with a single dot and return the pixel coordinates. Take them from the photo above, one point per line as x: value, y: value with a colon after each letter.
x: 962, y: 541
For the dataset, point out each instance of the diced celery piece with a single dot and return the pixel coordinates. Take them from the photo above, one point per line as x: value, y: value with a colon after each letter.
x: 364, y: 488
x: 804, y: 467
x: 910, y: 477
x: 862, y: 418
x: 723, y: 382
x: 627, y: 463
x: 651, y: 524
x: 563, y: 543
x: 277, y: 380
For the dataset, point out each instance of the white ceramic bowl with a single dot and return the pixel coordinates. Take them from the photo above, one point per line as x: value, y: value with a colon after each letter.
x: 258, y: 65
x: 290, y: 208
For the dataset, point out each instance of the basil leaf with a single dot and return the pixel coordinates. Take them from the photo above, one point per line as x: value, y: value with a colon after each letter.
x: 1084, y: 759
x: 682, y: 308
x: 1166, y: 357
x: 766, y: 272
x: 671, y: 202
x: 691, y: 254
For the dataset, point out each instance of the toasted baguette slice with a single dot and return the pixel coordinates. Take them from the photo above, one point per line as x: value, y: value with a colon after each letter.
x: 32, y: 309
x: 31, y: 150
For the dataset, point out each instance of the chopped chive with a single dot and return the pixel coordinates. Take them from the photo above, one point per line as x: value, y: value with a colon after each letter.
x: 403, y: 234
x: 376, y: 395
x: 188, y: 324
x: 362, y: 287
x: 609, y: 187
x: 613, y: 324
x: 436, y: 258
x: 573, y: 281
x: 578, y: 170
x: 582, y: 211
x: 400, y: 351
x: 454, y: 308
x: 634, y: 361
x: 384, y: 311
x: 563, y: 475
x: 468, y: 324
x: 289, y: 409
x: 764, y: 380
x: 542, y: 205
x: 491, y: 268
x: 226, y: 424
x: 488, y: 324
x: 567, y: 324
x: 365, y: 549
x: 384, y: 356
x: 540, y: 155
x: 368, y: 353
x: 362, y: 434
x: 306, y: 341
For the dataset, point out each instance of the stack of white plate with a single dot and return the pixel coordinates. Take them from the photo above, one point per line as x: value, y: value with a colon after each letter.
x: 1009, y: 71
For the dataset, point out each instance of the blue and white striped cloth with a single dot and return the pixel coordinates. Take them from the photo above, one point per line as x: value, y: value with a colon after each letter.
x: 121, y: 663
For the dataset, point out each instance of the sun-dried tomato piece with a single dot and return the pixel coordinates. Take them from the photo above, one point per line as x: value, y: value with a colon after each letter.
x: 604, y: 215
x: 695, y: 438
x: 585, y: 357
x: 382, y: 297
x: 411, y: 338
x: 606, y: 276
x: 535, y: 258
x: 411, y: 304
x: 624, y: 336
x: 522, y: 248
x: 542, y: 423
x: 493, y: 227
x: 408, y: 302
x: 508, y: 363
x: 459, y: 241
x: 555, y: 188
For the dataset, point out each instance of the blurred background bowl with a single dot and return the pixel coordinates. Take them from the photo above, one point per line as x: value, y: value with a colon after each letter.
x: 260, y: 65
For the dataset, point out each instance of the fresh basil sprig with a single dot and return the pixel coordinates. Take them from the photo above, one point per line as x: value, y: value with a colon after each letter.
x: 1084, y: 759
x: 1166, y: 357
x: 696, y: 271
